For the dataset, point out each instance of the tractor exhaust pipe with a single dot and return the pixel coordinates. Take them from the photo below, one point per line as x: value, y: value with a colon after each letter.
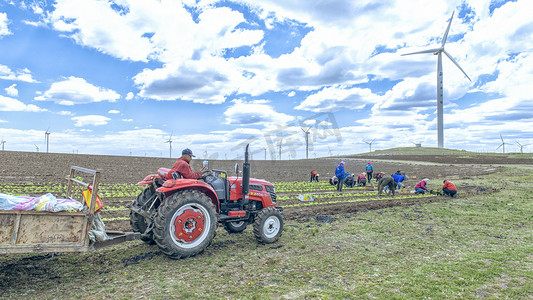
x: 245, y: 174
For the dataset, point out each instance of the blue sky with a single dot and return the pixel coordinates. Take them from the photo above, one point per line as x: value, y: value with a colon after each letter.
x: 123, y: 77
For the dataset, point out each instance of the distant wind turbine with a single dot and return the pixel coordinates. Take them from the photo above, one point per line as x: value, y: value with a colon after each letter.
x: 307, y: 141
x: 36, y: 147
x: 502, y: 145
x: 370, y: 144
x: 329, y: 151
x: 170, y: 144
x: 521, y: 146
x: 438, y: 52
x: 3, y: 143
x: 47, y: 138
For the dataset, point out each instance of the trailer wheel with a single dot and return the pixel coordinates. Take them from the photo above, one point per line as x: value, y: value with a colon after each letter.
x: 138, y: 222
x: 268, y: 225
x: 235, y: 227
x: 185, y: 224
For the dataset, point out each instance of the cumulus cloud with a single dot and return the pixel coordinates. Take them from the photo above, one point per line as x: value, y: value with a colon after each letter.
x: 12, y: 90
x: 10, y: 104
x: 254, y: 113
x: 129, y: 96
x: 113, y: 111
x: 18, y: 75
x: 338, y: 98
x: 4, y: 30
x: 90, y: 120
x: 74, y: 90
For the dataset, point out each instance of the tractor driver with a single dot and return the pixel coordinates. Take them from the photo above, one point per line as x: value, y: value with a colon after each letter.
x: 183, y: 167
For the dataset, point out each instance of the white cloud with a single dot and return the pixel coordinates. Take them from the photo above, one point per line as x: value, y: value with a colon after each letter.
x: 19, y: 75
x: 4, y: 30
x: 3, y: 121
x: 74, y: 90
x: 338, y: 98
x: 90, y: 120
x: 113, y: 111
x: 250, y: 113
x: 66, y: 113
x: 291, y: 94
x: 12, y: 90
x: 129, y: 96
x: 127, y: 120
x: 10, y: 104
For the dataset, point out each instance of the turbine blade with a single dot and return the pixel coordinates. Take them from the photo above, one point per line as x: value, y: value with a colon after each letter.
x: 499, y: 146
x: 453, y: 60
x: 424, y: 51
x: 501, y: 137
x: 445, y: 37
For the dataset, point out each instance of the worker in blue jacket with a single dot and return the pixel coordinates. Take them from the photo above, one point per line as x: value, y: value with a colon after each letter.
x: 369, y: 171
x: 341, y: 175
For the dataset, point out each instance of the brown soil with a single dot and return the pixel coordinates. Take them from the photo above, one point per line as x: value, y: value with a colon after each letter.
x: 40, y: 168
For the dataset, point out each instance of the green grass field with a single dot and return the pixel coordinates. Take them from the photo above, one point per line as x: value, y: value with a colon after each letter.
x: 474, y: 247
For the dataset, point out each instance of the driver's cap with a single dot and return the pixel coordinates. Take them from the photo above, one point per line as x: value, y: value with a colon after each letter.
x: 187, y: 151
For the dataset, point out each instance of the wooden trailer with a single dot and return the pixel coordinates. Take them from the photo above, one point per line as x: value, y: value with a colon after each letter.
x: 41, y: 231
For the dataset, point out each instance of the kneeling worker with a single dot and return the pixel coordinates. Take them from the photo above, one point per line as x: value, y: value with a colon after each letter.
x: 449, y: 189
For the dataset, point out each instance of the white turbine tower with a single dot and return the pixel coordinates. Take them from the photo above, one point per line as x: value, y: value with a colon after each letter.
x: 170, y: 144
x: 521, y: 146
x: 438, y: 52
x: 370, y: 144
x: 307, y: 141
x: 502, y: 144
x: 47, y: 138
x: 3, y: 143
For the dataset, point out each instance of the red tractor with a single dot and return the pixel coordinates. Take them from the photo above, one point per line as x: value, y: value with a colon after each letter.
x: 181, y: 215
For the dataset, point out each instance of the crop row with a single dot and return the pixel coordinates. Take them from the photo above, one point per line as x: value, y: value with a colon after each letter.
x: 357, y: 200
x: 60, y: 190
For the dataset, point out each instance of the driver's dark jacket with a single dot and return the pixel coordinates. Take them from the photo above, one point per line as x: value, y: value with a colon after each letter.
x: 182, y: 166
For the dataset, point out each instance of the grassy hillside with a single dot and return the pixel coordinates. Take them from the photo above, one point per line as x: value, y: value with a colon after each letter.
x: 401, y: 151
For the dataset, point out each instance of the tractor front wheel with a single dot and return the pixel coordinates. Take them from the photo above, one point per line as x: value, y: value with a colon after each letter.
x: 185, y: 224
x: 268, y: 225
x: 235, y: 227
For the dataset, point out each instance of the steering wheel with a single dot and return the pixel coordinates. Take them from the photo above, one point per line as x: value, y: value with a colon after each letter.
x: 205, y: 174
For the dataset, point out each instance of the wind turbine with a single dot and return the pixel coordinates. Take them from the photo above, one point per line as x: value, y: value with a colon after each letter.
x: 170, y: 144
x: 329, y: 151
x: 501, y: 145
x: 47, y: 138
x: 3, y: 143
x: 438, y: 52
x: 307, y: 142
x: 370, y: 144
x: 521, y: 146
x: 36, y: 147
x: 265, y: 152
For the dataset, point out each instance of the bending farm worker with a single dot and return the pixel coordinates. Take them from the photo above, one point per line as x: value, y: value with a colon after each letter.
x: 341, y: 175
x: 314, y: 176
x: 386, y: 181
x: 421, y: 188
x: 361, y: 179
x: 449, y: 189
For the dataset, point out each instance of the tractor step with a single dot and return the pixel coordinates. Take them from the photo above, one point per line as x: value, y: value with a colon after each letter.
x: 236, y: 213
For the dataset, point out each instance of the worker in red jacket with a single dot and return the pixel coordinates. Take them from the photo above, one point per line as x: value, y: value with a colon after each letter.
x: 449, y: 189
x: 314, y: 176
x: 361, y: 179
x: 183, y: 167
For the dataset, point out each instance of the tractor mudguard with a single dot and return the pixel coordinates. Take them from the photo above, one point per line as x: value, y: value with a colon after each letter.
x: 148, y: 179
x: 173, y: 185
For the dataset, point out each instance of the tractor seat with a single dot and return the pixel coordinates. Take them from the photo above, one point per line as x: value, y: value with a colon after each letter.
x: 176, y: 175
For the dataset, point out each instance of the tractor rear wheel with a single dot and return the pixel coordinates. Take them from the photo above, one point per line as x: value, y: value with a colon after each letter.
x: 268, y: 225
x: 185, y: 224
x: 138, y: 222
x: 235, y: 227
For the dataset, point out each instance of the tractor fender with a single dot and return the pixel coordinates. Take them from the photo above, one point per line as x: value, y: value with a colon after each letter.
x: 148, y: 179
x: 171, y: 186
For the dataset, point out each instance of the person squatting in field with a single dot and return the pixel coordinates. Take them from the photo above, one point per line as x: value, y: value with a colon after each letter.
x: 341, y: 175
x: 333, y: 180
x: 369, y: 170
x: 420, y: 187
x: 386, y: 181
x: 449, y: 189
x: 183, y: 167
x: 314, y: 176
x: 378, y: 176
x: 361, y: 179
